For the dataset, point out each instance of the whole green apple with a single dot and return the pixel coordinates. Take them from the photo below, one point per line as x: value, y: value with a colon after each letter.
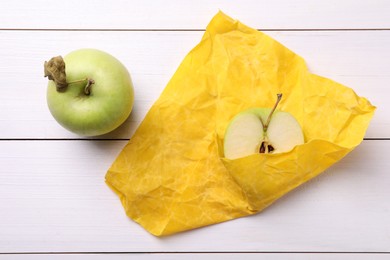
x: 262, y: 130
x: 90, y: 92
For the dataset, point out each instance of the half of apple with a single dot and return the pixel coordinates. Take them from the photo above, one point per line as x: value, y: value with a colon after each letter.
x: 262, y: 130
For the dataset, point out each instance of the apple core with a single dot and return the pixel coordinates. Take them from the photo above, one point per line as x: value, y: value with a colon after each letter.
x: 262, y: 130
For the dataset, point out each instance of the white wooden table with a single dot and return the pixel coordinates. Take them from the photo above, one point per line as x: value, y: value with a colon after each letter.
x: 54, y: 203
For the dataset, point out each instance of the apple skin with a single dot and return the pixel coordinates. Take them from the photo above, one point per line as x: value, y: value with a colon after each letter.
x: 245, y: 132
x: 109, y: 103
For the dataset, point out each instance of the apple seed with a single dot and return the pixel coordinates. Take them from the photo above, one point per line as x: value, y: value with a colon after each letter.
x: 265, y: 147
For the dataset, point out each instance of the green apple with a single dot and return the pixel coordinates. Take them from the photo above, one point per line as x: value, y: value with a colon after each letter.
x: 90, y: 92
x: 262, y: 130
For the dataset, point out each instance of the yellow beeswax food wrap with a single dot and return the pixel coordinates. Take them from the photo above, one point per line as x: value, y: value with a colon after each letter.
x: 172, y: 176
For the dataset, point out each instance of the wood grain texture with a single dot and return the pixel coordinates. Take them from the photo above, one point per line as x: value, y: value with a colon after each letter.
x: 359, y: 59
x: 54, y: 203
x: 53, y: 199
x: 190, y: 15
x: 214, y: 256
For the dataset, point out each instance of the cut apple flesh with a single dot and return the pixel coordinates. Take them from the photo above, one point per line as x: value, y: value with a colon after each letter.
x: 245, y: 134
x: 284, y: 132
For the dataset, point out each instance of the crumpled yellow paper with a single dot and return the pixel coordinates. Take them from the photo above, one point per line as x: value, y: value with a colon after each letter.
x: 172, y: 176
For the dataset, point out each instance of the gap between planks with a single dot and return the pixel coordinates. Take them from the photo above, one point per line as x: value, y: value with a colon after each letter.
x: 191, y: 30
x: 127, y: 139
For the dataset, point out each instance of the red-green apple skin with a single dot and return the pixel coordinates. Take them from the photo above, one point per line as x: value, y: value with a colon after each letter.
x: 111, y: 97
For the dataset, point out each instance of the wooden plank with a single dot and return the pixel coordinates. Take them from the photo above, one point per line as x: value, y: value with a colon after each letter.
x: 358, y: 59
x: 152, y: 14
x: 214, y: 256
x: 53, y: 199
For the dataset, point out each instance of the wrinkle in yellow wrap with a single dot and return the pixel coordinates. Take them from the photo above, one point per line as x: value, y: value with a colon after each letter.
x: 172, y: 176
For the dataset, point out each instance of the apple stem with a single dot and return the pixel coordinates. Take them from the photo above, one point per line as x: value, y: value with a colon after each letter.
x: 265, y: 146
x: 77, y: 81
x: 87, y: 88
x: 54, y: 69
x: 279, y: 97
